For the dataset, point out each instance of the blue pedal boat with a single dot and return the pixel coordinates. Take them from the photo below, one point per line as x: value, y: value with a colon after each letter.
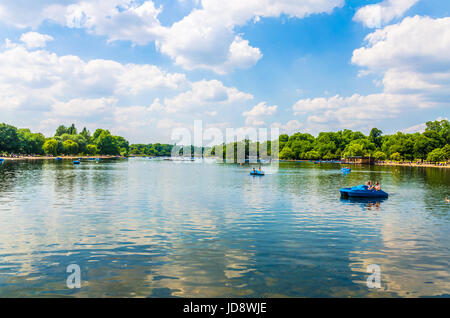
x: 346, y: 170
x: 76, y: 162
x: 257, y: 173
x: 362, y: 191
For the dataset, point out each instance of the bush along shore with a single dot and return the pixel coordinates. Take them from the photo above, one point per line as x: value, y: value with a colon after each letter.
x: 68, y: 143
x: 428, y: 148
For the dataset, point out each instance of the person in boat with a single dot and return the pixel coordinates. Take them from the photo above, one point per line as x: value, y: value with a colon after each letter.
x: 369, y: 185
x: 254, y: 170
x: 259, y: 168
x: 377, y: 186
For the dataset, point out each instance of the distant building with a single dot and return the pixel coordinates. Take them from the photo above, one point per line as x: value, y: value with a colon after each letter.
x: 360, y: 160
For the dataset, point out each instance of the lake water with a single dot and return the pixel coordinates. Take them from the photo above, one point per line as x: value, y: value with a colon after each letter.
x: 152, y: 228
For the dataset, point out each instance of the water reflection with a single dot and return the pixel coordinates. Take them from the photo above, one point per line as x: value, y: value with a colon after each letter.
x: 157, y: 229
x: 368, y: 204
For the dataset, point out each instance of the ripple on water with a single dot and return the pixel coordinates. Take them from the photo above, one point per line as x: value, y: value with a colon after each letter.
x: 154, y: 228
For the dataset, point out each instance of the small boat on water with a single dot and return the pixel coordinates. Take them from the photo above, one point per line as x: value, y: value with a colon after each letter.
x: 76, y: 162
x: 346, y: 170
x: 256, y: 173
x: 362, y: 191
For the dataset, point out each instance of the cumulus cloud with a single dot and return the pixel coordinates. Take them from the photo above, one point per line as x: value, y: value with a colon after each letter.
x: 117, y: 19
x: 59, y: 88
x: 412, y: 59
x: 377, y: 15
x: 35, y: 40
x: 80, y: 107
x: 205, y: 38
x: 420, y: 127
x: 292, y: 126
x: 255, y: 115
x: 356, y: 111
x: 205, y: 95
x: 26, y: 74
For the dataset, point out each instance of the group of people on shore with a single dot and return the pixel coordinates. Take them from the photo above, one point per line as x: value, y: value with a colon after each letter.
x: 376, y: 186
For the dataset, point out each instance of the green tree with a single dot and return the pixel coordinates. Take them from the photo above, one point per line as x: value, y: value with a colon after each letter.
x: 375, y: 137
x: 97, y: 133
x: 106, y: 143
x: 72, y: 130
x: 396, y: 156
x: 9, y: 139
x: 86, y: 134
x: 379, y: 155
x: 122, y: 143
x: 423, y: 145
x: 437, y: 155
x: 354, y: 150
x: 91, y: 149
x: 30, y: 143
x: 446, y: 151
x: 312, y: 155
x: 61, y: 130
x: 50, y: 146
x: 287, y: 154
x: 70, y: 147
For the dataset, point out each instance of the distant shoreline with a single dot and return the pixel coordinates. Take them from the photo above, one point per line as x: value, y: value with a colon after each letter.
x: 400, y: 164
x: 62, y: 157
x: 416, y: 165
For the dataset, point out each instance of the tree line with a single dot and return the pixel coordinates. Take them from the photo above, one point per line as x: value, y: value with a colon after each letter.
x: 432, y: 145
x: 66, y: 141
x: 165, y: 150
x: 152, y: 150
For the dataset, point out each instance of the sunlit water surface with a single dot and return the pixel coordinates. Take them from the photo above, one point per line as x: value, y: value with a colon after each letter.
x: 150, y: 228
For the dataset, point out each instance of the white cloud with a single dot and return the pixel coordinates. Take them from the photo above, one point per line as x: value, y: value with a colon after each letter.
x: 62, y: 88
x: 35, y: 40
x: 261, y: 110
x: 168, y: 124
x: 412, y: 59
x: 80, y: 107
x: 117, y: 19
x: 133, y: 116
x: 205, y: 38
x: 356, y: 111
x: 255, y: 115
x: 12, y: 12
x: 29, y: 74
x: 138, y: 78
x: 377, y: 15
x: 290, y: 127
x: 420, y: 127
x: 412, y: 56
x: 413, y: 43
x: 205, y: 95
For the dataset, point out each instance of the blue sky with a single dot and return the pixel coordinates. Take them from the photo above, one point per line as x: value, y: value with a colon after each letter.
x: 143, y: 68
